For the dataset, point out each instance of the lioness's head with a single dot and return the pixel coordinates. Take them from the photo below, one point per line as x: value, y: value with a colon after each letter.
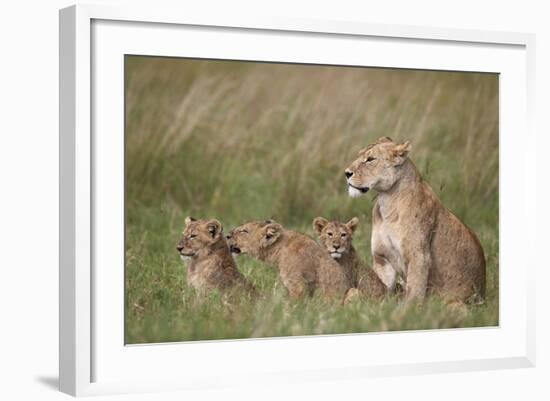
x: 254, y: 237
x: 377, y: 167
x: 335, y: 237
x: 198, y: 236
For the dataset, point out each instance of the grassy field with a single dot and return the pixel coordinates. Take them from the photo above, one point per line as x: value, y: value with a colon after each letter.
x: 243, y: 141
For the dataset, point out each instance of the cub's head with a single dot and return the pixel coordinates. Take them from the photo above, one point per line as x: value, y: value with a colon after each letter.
x: 254, y: 237
x: 198, y: 237
x: 378, y: 166
x: 334, y: 236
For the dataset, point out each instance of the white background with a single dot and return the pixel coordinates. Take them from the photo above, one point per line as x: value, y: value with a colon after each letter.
x: 29, y: 217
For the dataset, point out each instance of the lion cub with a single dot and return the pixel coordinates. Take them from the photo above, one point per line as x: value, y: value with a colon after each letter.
x: 210, y: 263
x: 302, y: 264
x: 336, y: 238
x: 414, y: 236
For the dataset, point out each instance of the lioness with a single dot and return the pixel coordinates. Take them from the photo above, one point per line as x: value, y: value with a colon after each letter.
x: 302, y: 264
x: 210, y: 263
x: 336, y: 238
x: 413, y: 235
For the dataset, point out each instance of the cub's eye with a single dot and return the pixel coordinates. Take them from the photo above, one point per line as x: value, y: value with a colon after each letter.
x: 343, y: 235
x: 193, y: 236
x: 243, y: 232
x: 329, y: 234
x: 370, y: 159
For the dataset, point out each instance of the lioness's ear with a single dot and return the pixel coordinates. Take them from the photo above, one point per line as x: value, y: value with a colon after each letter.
x: 401, y: 151
x: 352, y: 224
x: 214, y: 228
x: 384, y: 139
x: 272, y: 232
x: 319, y: 223
x: 189, y: 219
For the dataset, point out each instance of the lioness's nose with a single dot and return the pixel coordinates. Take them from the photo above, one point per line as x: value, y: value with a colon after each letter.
x: 348, y: 173
x: 179, y: 247
x: 228, y: 236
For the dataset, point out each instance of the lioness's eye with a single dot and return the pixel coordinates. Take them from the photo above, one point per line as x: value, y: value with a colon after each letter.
x: 244, y: 232
x: 192, y: 236
x: 369, y: 159
x: 329, y: 234
x: 343, y: 235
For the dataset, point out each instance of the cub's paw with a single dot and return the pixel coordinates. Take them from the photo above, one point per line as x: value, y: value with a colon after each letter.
x: 351, y: 296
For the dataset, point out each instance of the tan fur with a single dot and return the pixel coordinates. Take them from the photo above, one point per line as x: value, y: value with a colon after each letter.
x: 413, y: 235
x: 210, y: 263
x: 303, y: 266
x: 337, y: 239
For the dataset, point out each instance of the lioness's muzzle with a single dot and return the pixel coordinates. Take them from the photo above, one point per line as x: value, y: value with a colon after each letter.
x: 363, y: 190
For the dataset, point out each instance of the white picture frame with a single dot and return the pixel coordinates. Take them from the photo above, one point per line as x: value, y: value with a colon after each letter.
x: 93, y: 360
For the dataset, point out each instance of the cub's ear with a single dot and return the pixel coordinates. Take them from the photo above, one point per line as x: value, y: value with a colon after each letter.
x: 271, y: 234
x: 352, y: 224
x: 400, y: 152
x: 319, y: 223
x: 214, y: 228
x: 189, y: 219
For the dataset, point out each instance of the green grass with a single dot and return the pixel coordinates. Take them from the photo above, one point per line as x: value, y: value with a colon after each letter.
x: 243, y: 141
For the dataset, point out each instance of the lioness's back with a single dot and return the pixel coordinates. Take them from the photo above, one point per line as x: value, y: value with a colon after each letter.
x: 458, y: 258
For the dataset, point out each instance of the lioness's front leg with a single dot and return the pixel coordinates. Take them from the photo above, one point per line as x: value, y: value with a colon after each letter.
x: 385, y: 271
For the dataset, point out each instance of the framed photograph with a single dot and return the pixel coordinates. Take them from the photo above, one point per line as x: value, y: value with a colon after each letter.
x: 272, y: 200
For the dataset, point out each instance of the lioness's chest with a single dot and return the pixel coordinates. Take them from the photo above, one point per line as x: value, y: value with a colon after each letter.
x: 387, y: 242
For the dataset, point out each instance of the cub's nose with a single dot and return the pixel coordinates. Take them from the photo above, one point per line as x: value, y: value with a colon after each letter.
x: 348, y: 173
x: 228, y: 236
x: 179, y: 247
